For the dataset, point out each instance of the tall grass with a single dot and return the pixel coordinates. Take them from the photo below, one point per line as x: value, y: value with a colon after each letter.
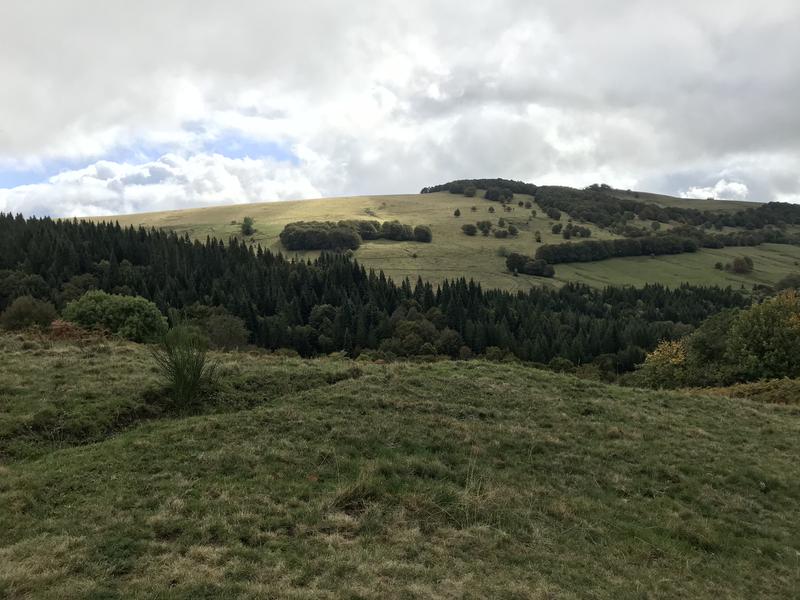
x: 182, y: 360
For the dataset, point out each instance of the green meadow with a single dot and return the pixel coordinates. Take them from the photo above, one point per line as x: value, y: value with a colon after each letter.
x: 453, y: 254
x: 332, y: 478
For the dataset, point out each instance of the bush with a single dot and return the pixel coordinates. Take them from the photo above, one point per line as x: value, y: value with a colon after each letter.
x: 470, y: 191
x: 247, y: 226
x: 519, y: 263
x: 131, y: 317
x: 317, y: 235
x: 222, y: 329
x: 789, y: 282
x: 182, y: 361
x: 457, y: 213
x: 423, y: 233
x: 557, y: 228
x: 469, y: 229
x: 27, y: 311
x: 484, y: 226
x: 501, y: 233
x: 742, y: 264
x: 512, y: 230
x: 397, y: 231
x: 765, y: 339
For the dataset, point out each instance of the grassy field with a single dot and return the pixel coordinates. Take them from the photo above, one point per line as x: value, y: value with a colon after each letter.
x: 453, y: 254
x: 336, y: 479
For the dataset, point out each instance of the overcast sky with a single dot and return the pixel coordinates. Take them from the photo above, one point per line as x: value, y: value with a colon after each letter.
x: 111, y: 106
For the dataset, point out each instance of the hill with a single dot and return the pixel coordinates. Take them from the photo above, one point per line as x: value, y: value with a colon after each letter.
x: 453, y: 254
x: 333, y: 478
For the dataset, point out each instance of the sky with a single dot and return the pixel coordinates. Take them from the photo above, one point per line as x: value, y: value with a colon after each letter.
x: 111, y: 106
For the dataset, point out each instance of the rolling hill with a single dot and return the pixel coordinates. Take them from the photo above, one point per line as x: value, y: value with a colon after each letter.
x: 332, y: 478
x: 453, y: 254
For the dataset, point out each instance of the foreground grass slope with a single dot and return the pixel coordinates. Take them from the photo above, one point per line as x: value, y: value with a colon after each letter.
x: 328, y: 478
x: 453, y: 254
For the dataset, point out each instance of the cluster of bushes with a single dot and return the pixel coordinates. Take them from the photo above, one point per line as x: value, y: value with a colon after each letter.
x: 458, y: 186
x: 519, y: 263
x: 130, y: 317
x: 504, y: 229
x: 741, y: 265
x: 761, y: 342
x: 348, y: 235
x: 499, y: 194
x: 571, y: 230
x: 592, y: 250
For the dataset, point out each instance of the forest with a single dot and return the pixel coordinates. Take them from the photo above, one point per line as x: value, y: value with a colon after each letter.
x: 333, y: 304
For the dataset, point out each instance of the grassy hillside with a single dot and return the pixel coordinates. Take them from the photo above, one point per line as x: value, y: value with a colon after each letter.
x: 328, y: 479
x: 453, y: 254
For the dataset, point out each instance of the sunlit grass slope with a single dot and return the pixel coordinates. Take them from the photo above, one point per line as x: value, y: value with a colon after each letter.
x: 453, y: 254
x: 333, y: 479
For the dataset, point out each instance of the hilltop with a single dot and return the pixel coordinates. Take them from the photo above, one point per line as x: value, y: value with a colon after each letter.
x: 453, y: 254
x: 334, y: 478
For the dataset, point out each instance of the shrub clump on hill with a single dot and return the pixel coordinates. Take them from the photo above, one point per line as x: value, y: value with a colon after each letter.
x: 27, y: 311
x: 182, y: 361
x: 130, y: 317
x: 761, y: 342
x: 519, y: 263
x: 348, y: 234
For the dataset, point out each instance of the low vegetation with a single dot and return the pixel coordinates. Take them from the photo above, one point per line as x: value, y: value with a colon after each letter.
x: 337, y: 478
x: 761, y: 342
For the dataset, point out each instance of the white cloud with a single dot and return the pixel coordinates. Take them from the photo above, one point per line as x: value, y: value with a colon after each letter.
x: 171, y: 181
x: 723, y: 190
x: 390, y: 96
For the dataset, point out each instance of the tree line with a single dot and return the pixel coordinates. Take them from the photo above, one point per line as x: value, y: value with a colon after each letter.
x: 333, y: 304
x: 348, y: 235
x: 603, y: 206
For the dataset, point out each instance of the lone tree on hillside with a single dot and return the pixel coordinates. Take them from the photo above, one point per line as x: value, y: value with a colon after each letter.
x: 456, y: 213
x: 247, y: 226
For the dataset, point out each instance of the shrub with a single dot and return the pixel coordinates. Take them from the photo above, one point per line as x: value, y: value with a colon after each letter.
x: 182, y: 361
x: 222, y: 329
x: 397, y: 231
x: 519, y: 263
x: 557, y: 228
x: 512, y: 230
x: 131, y: 317
x: 491, y: 209
x: 559, y: 364
x: 423, y: 233
x: 742, y: 264
x: 316, y: 235
x: 27, y: 311
x: 765, y: 339
x: 456, y: 213
x: 469, y: 229
x: 247, y: 226
x: 501, y: 233
x: 484, y: 226
x: 470, y: 191
x: 789, y: 282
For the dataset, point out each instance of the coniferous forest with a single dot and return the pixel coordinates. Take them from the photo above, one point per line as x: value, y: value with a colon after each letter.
x: 334, y: 304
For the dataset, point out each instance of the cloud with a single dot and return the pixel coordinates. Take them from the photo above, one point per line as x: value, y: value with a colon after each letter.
x: 391, y: 96
x: 725, y: 190
x: 171, y: 181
